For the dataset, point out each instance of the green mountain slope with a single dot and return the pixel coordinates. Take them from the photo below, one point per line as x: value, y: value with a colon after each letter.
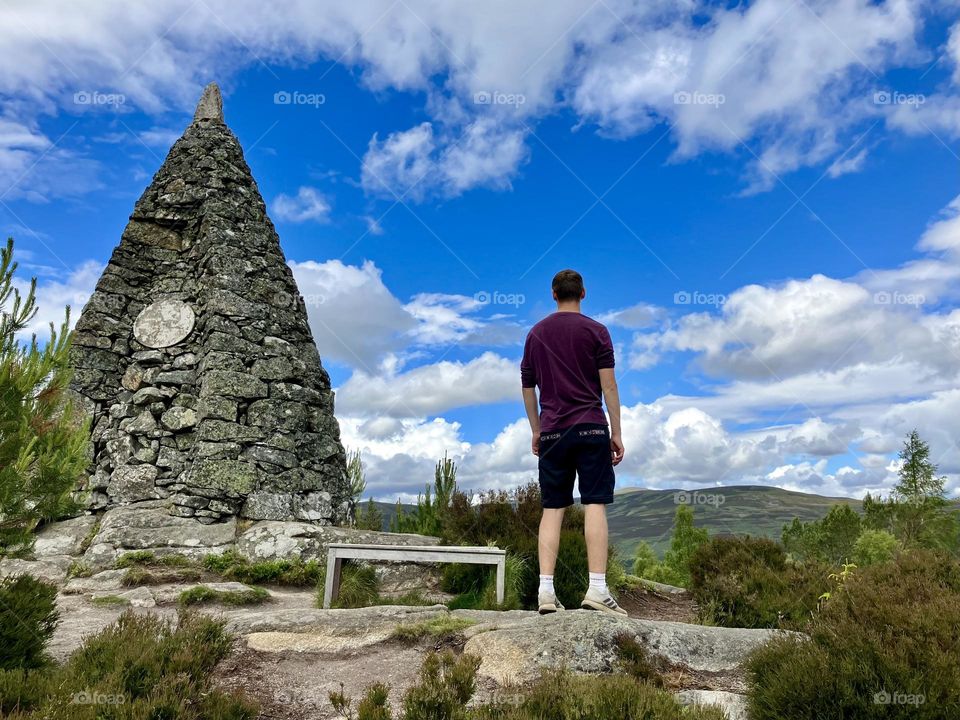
x: 640, y: 514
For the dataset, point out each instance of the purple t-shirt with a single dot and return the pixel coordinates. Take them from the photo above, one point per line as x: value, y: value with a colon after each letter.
x: 562, y: 356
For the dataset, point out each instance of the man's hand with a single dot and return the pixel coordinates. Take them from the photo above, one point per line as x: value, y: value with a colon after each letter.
x: 535, y: 444
x: 616, y: 449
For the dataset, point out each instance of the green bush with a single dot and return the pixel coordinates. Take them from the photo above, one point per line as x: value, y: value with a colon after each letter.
x: 644, y: 558
x: 140, y: 667
x: 686, y: 539
x: 828, y: 540
x: 28, y: 617
x: 747, y: 582
x: 884, y: 646
x: 873, y: 547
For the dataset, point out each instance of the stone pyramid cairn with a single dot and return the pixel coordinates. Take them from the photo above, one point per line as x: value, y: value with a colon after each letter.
x: 194, y: 356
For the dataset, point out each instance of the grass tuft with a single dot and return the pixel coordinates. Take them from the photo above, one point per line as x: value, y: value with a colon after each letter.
x: 202, y: 594
x: 442, y: 627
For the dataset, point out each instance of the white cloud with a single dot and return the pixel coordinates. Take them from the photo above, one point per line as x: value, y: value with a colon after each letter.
x: 308, y: 204
x: 415, y: 163
x: 357, y: 321
x: 431, y: 389
x: 634, y: 317
x: 54, y: 295
x: 845, y: 164
x: 373, y: 225
x: 354, y: 318
x: 34, y: 168
x: 786, y: 79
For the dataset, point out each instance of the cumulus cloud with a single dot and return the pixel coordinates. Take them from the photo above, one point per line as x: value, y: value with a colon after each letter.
x: 357, y: 321
x: 788, y: 80
x: 431, y: 389
x: 308, y: 204
x: 415, y: 163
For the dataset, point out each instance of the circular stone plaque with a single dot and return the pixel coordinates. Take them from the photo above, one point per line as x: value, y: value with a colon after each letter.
x: 164, y: 323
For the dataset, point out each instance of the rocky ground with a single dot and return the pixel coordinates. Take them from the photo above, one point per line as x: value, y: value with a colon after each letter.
x: 290, y: 655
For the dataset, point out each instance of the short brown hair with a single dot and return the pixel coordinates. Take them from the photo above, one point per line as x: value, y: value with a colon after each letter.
x: 568, y: 285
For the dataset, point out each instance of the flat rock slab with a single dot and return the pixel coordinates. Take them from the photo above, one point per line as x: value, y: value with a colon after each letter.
x: 141, y: 597
x: 584, y: 641
x: 52, y: 568
x: 148, y: 526
x: 734, y: 705
x: 99, y: 582
x: 63, y: 538
x: 322, y: 631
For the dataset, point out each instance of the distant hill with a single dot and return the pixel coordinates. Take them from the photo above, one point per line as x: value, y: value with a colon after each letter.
x: 640, y: 514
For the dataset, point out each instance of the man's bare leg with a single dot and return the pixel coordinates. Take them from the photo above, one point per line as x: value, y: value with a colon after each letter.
x: 548, y: 546
x: 595, y: 533
x: 598, y: 596
x: 549, y: 540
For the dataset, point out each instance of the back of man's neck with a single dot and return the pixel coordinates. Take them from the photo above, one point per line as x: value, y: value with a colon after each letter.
x: 568, y: 307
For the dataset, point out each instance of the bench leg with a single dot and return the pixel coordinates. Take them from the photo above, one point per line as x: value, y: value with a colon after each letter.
x: 501, y: 573
x: 332, y: 584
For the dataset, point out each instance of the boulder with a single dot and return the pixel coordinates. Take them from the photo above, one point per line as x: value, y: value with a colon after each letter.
x: 584, y: 641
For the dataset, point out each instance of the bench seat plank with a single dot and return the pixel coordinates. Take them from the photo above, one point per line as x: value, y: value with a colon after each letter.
x: 478, y: 555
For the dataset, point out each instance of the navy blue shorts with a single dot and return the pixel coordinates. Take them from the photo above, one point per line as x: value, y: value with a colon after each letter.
x: 581, y: 451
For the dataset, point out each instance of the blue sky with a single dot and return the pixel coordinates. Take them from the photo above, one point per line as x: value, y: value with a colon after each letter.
x: 762, y: 198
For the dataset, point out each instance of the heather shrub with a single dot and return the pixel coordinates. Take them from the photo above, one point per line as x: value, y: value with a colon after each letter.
x: 447, y: 684
x: 873, y: 547
x: 139, y: 667
x: 883, y: 645
x: 747, y: 582
x: 28, y: 617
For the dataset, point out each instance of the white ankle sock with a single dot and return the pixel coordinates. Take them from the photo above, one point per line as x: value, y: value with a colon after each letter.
x: 598, y: 581
x: 546, y: 584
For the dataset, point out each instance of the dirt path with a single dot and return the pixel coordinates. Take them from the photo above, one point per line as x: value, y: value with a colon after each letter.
x: 648, y: 605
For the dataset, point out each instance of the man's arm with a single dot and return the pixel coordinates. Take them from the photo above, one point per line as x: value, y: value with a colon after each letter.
x: 533, y: 415
x: 611, y: 396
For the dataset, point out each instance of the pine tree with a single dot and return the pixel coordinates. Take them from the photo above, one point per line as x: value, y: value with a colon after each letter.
x: 922, y: 515
x: 918, y: 475
x: 43, y: 437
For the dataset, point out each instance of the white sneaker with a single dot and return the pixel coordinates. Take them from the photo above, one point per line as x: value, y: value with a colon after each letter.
x: 595, y: 600
x: 548, y: 603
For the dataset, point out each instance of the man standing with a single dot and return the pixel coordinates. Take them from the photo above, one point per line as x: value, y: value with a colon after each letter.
x: 569, y: 357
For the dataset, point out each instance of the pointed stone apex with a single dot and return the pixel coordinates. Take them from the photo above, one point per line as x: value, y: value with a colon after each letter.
x: 210, y: 106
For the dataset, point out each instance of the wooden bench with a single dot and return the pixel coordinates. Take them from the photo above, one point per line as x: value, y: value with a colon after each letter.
x: 338, y: 552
